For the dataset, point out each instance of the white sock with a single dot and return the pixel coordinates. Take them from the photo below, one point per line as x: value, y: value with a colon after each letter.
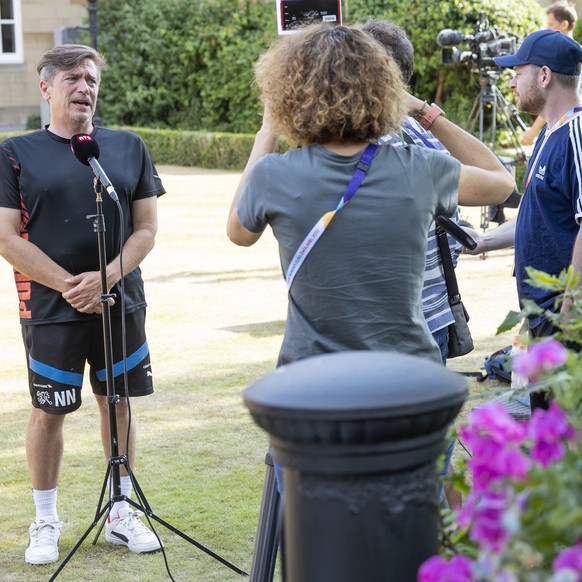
x: 126, y: 488
x: 45, y: 502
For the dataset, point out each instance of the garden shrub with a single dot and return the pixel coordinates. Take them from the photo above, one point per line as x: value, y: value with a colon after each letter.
x: 189, y: 65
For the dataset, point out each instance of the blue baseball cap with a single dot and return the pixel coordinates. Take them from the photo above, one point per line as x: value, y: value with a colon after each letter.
x: 546, y: 48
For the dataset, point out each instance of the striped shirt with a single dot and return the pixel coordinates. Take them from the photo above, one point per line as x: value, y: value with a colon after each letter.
x: 435, y: 300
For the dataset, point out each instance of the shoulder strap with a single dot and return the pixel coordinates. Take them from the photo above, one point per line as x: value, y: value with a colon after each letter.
x: 320, y: 226
x: 448, y: 268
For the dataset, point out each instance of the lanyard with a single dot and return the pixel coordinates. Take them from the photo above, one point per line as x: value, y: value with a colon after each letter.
x: 320, y: 226
x: 569, y: 115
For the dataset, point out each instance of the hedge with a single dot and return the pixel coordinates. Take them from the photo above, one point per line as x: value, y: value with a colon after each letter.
x: 220, y: 151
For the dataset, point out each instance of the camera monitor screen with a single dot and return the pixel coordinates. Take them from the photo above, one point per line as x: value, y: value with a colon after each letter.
x: 291, y: 13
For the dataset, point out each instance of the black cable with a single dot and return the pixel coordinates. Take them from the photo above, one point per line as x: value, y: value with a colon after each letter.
x: 126, y: 381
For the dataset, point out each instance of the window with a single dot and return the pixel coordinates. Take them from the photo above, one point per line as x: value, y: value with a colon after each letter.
x: 10, y: 32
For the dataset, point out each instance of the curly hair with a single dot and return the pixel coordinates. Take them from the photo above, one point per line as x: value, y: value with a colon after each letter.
x: 329, y: 82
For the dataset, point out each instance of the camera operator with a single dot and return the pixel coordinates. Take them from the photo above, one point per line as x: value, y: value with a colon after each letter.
x: 561, y: 16
x: 546, y: 234
x: 333, y: 90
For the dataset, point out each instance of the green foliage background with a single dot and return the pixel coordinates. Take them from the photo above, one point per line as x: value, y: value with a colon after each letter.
x: 185, y: 64
x: 453, y: 86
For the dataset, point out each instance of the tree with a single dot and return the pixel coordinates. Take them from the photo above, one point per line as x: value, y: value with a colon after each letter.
x: 189, y: 64
x: 454, y: 86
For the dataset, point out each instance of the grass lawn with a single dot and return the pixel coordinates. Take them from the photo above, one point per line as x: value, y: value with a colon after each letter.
x: 215, y: 322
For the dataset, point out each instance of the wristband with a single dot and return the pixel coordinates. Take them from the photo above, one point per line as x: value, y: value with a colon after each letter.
x: 429, y: 117
x: 418, y: 114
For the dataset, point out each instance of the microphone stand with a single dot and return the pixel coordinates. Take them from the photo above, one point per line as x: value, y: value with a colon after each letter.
x: 116, y: 460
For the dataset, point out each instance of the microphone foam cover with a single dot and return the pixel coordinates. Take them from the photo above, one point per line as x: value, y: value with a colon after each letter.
x: 84, y: 147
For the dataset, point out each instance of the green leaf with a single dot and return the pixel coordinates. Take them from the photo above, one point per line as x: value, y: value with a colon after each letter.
x: 512, y: 319
x: 542, y: 280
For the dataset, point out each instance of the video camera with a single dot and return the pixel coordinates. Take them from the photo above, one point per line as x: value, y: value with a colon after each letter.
x: 484, y: 44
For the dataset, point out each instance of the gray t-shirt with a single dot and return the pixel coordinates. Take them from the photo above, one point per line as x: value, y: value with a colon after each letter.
x: 360, y: 287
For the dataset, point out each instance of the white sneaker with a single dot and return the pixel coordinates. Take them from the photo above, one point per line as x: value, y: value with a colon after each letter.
x: 127, y: 530
x: 43, y: 546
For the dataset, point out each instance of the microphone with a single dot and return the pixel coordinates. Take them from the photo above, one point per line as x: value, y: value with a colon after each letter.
x: 448, y: 37
x: 86, y: 150
x: 486, y: 36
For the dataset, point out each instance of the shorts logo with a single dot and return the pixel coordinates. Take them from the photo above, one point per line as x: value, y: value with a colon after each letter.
x: 62, y: 397
x: 43, y: 397
x: 541, y: 172
x: 148, y: 373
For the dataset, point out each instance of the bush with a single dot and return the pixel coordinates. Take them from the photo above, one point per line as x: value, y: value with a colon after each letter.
x: 202, y: 149
x: 454, y: 86
x: 225, y: 151
x: 183, y: 64
x: 189, y: 65
x: 521, y: 521
x: 33, y: 122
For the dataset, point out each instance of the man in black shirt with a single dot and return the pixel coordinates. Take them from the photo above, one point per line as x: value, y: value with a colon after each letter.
x: 45, y: 197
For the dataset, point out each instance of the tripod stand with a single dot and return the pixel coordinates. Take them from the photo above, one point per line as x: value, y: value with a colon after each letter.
x: 491, y: 99
x: 116, y: 461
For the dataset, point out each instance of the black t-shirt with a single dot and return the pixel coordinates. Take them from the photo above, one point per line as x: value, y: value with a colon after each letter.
x: 55, y: 193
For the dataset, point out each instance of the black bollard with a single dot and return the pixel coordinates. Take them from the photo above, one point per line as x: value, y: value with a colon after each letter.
x: 358, y: 434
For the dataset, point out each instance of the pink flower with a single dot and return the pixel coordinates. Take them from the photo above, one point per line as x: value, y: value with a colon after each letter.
x: 495, y: 421
x: 539, y: 358
x: 570, y: 559
x: 485, y: 514
x: 493, y: 462
x: 494, y: 439
x: 437, y: 569
x: 548, y: 429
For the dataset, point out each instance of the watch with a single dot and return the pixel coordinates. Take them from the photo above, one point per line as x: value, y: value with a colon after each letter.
x: 427, y: 119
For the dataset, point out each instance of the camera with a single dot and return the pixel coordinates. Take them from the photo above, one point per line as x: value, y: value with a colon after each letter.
x: 483, y: 45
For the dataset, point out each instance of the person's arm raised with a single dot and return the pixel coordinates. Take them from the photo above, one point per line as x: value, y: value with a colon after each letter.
x: 483, y: 180
x: 265, y: 142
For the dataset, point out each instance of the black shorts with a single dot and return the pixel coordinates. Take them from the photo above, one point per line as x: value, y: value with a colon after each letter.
x: 57, y: 353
